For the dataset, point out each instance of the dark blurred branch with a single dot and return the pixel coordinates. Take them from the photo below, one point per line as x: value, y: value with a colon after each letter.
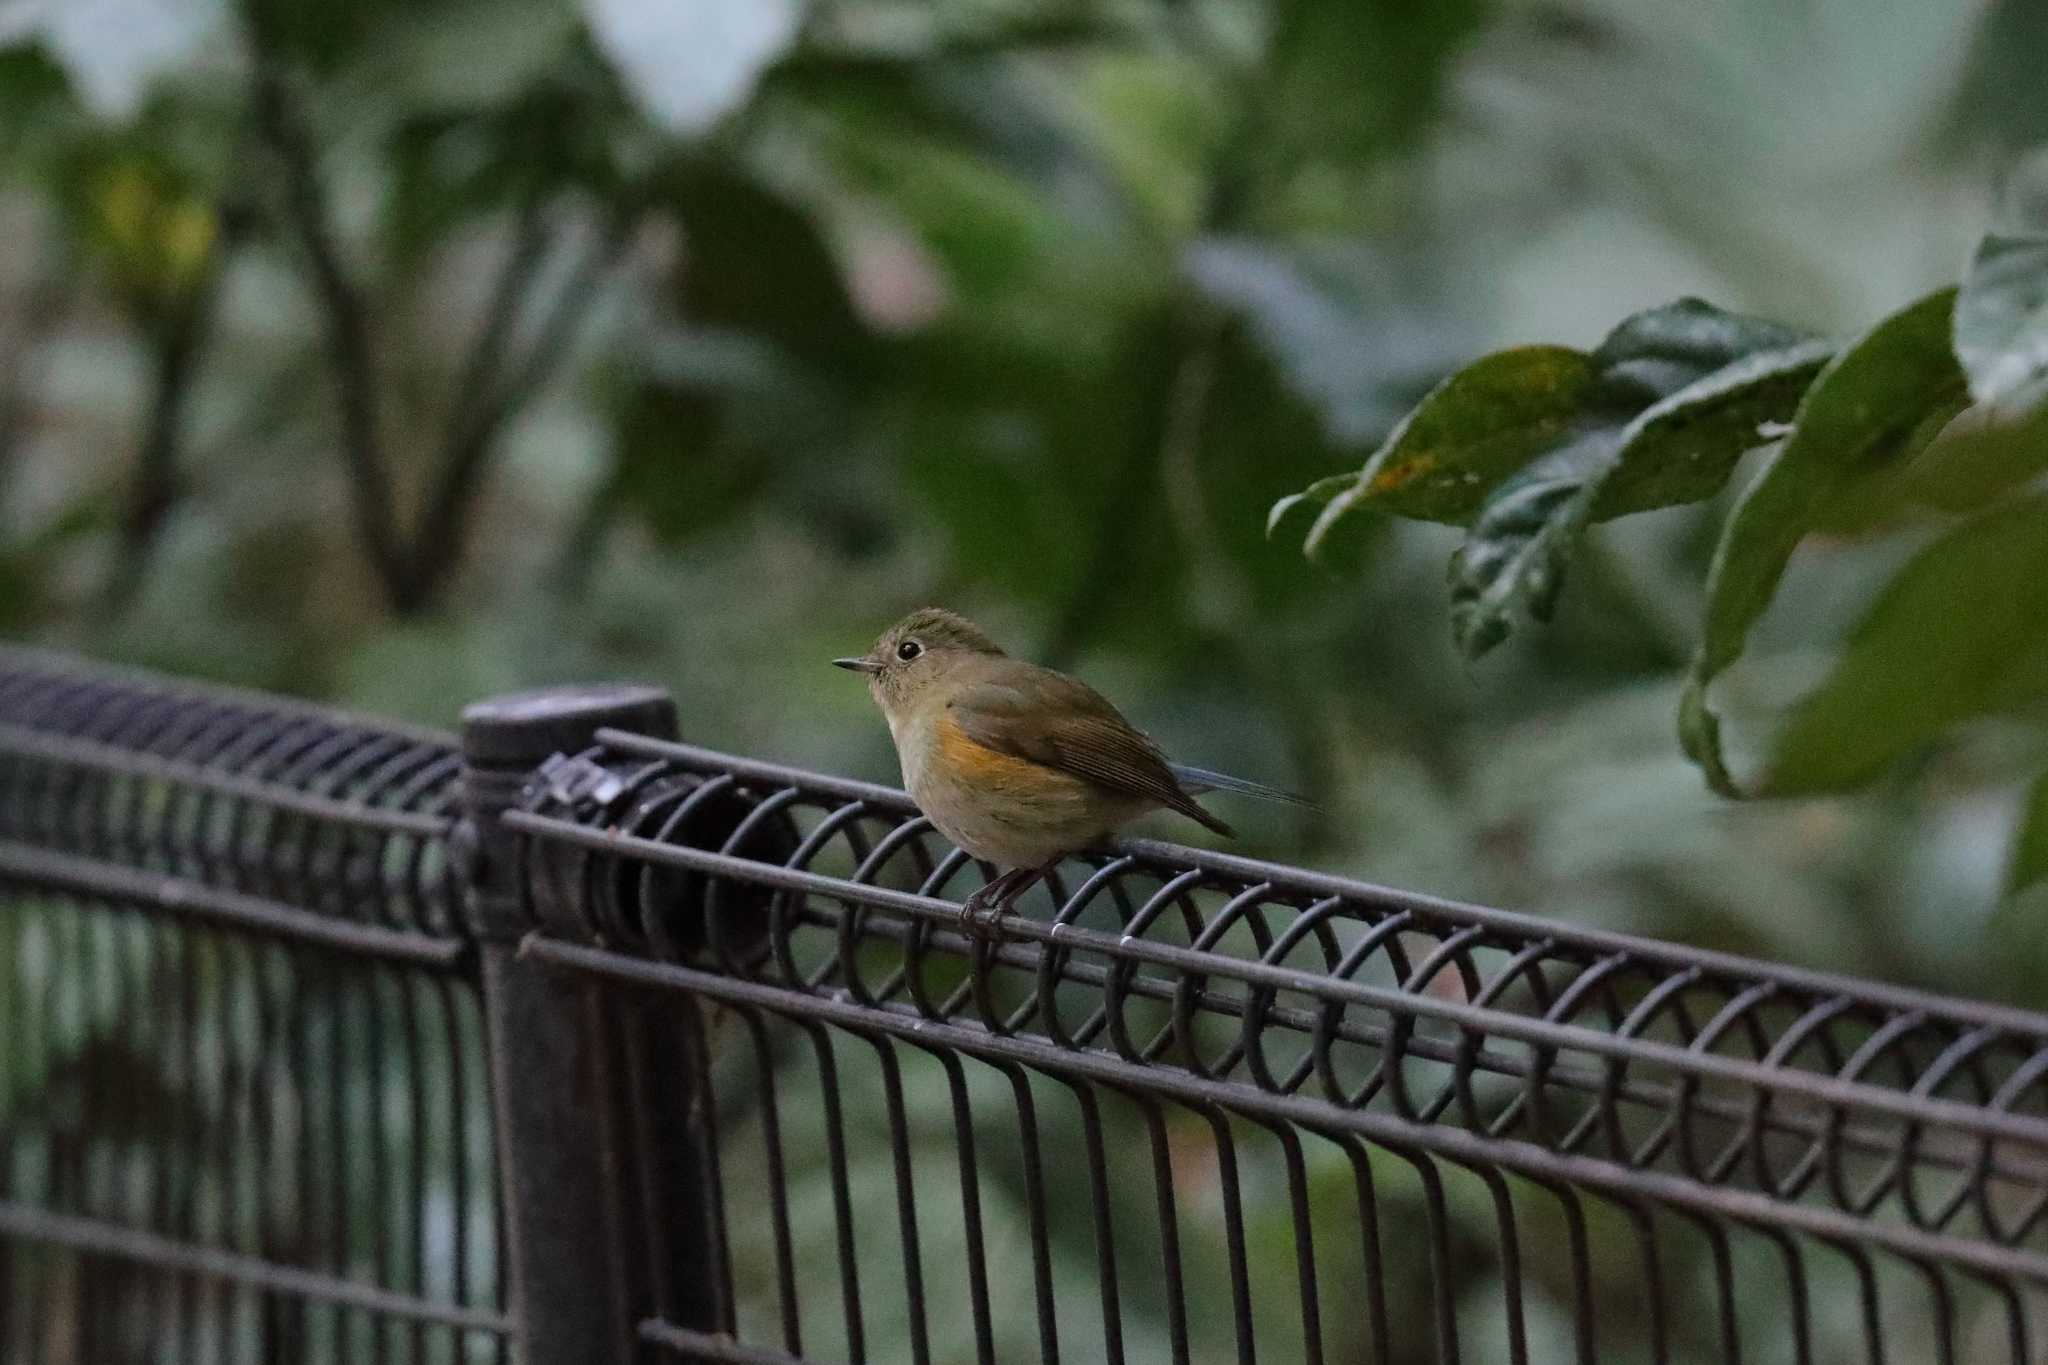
x: 348, y: 339
x: 480, y: 364
x: 178, y: 340
x: 444, y: 526
x: 47, y: 300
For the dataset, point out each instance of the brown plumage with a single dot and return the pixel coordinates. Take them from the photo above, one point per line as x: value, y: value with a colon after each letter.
x: 1017, y: 764
x: 1060, y: 722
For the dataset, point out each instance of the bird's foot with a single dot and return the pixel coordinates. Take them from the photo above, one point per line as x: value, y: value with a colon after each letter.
x: 981, y: 913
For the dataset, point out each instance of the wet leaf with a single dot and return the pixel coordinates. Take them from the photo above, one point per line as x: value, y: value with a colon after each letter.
x: 1517, y: 549
x: 1863, y: 410
x: 1473, y: 430
x: 1677, y: 400
x: 1685, y: 447
x: 1962, y: 632
x: 1679, y: 392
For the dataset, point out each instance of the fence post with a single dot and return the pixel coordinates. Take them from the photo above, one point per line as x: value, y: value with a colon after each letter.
x: 553, y: 1070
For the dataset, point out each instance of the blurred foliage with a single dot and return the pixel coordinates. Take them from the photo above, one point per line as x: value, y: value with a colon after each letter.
x: 1529, y: 447
x: 403, y: 352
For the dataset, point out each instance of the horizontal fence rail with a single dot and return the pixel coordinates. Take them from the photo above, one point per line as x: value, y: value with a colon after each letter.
x: 243, y: 1108
x: 327, y: 1040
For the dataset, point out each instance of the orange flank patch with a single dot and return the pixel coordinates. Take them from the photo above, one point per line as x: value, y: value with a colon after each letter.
x: 977, y: 763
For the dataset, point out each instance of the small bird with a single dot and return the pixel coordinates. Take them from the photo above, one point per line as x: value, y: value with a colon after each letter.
x: 1019, y: 765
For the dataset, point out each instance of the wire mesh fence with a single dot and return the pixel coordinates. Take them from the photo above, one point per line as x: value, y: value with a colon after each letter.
x: 327, y: 1040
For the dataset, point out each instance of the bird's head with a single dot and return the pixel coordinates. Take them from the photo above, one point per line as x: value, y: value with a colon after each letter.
x: 919, y: 652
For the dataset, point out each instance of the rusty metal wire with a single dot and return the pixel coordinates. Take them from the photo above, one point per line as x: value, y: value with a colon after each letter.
x: 243, y: 1114
x: 257, y: 969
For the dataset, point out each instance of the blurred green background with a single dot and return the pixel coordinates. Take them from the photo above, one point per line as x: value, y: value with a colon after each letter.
x: 397, y: 353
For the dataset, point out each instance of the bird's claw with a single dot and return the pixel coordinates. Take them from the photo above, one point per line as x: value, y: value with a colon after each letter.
x: 981, y: 915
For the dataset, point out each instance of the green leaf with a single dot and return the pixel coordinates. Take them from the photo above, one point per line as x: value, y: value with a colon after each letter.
x: 2001, y: 313
x: 1661, y: 350
x: 1863, y: 409
x: 2028, y: 863
x: 1473, y: 430
x: 1517, y: 549
x: 1977, y: 454
x: 1317, y: 494
x: 1677, y: 402
x: 1961, y: 632
x: 1500, y: 414
x: 1684, y: 447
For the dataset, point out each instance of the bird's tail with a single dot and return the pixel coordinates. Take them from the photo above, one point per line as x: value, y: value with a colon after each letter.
x: 1202, y: 780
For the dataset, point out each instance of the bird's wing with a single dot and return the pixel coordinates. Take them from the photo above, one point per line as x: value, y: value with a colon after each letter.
x: 1061, y: 723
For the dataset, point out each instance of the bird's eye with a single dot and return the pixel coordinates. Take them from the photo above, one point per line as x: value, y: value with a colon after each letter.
x: 909, y: 650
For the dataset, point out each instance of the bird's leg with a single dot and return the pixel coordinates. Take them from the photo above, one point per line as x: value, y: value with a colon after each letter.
x: 980, y: 911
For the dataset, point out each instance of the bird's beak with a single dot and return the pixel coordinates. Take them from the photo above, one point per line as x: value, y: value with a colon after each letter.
x: 858, y: 665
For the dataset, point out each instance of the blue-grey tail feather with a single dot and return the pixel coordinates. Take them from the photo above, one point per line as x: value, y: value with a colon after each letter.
x: 1200, y: 780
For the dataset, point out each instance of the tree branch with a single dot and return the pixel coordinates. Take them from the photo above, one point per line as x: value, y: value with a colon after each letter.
x: 480, y: 365
x: 348, y: 339
x: 47, y: 301
x: 444, y: 527
x: 179, y: 343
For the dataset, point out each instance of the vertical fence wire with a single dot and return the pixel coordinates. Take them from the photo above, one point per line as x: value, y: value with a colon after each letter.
x: 242, y: 1116
x: 1189, y: 1107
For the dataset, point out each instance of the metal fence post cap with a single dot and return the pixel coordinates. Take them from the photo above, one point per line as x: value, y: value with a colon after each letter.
x: 520, y: 729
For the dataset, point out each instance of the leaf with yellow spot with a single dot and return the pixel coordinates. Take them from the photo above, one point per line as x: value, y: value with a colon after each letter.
x: 1529, y: 446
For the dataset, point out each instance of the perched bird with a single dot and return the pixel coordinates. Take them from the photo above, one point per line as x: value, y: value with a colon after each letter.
x: 1018, y: 765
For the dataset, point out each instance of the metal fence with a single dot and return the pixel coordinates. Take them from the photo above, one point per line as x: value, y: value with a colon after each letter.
x: 326, y: 1040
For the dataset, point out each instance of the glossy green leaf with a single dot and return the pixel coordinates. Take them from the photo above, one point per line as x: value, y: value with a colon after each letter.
x: 2028, y: 863
x: 1684, y: 447
x: 1317, y: 494
x: 1679, y: 449
x: 1473, y: 430
x: 1961, y: 632
x: 1862, y: 410
x: 1707, y: 402
x: 1657, y: 352
x: 1517, y: 549
x: 1679, y: 392
x: 2001, y: 312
